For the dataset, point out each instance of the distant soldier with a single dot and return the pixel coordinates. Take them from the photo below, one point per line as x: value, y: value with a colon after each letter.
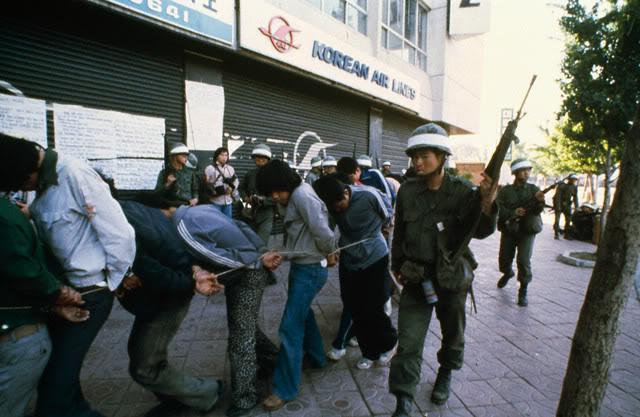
x: 329, y: 165
x: 176, y: 182
x: 519, y: 220
x: 262, y: 207
x: 565, y: 194
x: 386, y: 168
x: 316, y: 170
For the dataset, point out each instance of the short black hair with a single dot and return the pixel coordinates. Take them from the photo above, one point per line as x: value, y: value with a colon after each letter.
x: 347, y: 165
x: 330, y: 190
x: 18, y: 160
x: 276, y: 175
x: 219, y: 151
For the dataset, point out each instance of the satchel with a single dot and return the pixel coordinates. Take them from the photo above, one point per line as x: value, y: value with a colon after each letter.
x: 454, y: 274
x: 412, y: 272
x: 532, y: 224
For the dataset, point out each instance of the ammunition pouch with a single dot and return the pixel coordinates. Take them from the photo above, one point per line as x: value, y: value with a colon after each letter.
x: 532, y: 224
x: 412, y: 272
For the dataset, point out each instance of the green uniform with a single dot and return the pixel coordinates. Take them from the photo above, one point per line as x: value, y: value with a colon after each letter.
x: 312, y: 176
x: 562, y: 199
x: 183, y: 189
x: 420, y: 214
x: 511, y: 197
x: 25, y: 277
x: 263, y: 211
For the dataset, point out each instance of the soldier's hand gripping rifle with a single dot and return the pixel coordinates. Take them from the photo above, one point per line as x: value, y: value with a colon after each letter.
x: 512, y: 223
x: 493, y: 171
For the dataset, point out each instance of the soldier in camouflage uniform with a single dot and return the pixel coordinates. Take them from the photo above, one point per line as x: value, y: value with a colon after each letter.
x: 433, y: 210
x: 565, y: 194
x: 176, y: 182
x: 520, y: 206
x: 262, y: 207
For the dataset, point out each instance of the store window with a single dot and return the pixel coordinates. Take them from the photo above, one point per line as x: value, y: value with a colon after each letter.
x: 351, y: 12
x: 404, y: 30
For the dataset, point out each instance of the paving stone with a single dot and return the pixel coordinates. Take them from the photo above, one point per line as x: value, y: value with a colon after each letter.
x: 515, y: 357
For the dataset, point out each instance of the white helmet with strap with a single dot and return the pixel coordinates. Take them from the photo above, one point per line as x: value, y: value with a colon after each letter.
x: 261, y: 150
x: 431, y: 136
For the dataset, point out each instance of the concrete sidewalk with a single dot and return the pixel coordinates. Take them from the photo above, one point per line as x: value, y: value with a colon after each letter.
x: 514, y: 363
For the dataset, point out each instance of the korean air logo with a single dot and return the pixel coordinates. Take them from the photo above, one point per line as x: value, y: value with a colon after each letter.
x: 281, y: 34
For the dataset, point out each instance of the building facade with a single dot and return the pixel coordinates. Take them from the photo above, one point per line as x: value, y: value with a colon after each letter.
x: 114, y: 81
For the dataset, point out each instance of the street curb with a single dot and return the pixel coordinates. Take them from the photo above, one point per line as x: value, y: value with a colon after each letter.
x: 566, y: 258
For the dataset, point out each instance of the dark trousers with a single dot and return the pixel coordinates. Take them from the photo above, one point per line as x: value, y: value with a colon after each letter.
x: 149, y: 365
x: 345, y: 330
x: 414, y: 317
x: 364, y: 293
x: 567, y: 219
x: 509, y: 243
x: 59, y: 391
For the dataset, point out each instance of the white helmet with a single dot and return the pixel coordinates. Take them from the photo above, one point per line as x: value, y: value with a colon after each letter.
x: 429, y: 135
x: 329, y: 161
x: 520, y: 163
x: 364, y: 161
x: 261, y: 150
x: 179, y: 149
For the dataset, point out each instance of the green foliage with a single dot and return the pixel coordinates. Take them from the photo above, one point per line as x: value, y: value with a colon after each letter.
x: 600, y: 85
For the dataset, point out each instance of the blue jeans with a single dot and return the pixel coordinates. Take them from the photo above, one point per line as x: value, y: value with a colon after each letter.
x: 226, y: 209
x: 59, y: 391
x: 22, y: 362
x: 299, y: 333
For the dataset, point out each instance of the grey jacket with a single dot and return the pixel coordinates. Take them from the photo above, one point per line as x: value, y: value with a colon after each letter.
x: 216, y: 239
x: 306, y: 223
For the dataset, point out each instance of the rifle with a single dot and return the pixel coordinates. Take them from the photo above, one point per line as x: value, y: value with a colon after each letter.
x: 513, y: 222
x: 493, y: 170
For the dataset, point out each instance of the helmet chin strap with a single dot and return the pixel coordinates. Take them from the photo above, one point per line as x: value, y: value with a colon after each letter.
x: 436, y: 172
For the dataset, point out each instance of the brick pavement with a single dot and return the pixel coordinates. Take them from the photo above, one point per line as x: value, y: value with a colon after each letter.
x: 514, y: 365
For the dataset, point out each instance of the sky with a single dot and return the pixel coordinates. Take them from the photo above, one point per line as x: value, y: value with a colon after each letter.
x: 524, y: 39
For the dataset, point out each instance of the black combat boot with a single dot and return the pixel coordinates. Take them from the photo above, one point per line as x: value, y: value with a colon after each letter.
x: 442, y: 387
x: 404, y: 404
x: 503, y: 281
x: 522, y: 295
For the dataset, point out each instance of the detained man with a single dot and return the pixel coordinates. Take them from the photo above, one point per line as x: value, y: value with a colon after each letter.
x: 360, y: 213
x: 160, y: 299
x: 89, y: 236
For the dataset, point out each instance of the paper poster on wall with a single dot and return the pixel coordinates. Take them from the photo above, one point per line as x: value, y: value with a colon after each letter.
x: 24, y: 117
x: 127, y: 147
x: 204, y: 108
x: 137, y: 174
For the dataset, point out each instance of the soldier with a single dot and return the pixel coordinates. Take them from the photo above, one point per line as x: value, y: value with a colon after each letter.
x: 386, y: 168
x: 565, y: 194
x: 316, y: 170
x: 520, y: 206
x: 329, y: 165
x: 175, y: 182
x: 432, y: 212
x: 262, y: 207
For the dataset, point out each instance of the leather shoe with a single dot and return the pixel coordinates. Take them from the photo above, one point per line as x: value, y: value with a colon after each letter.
x: 272, y: 403
x: 404, y: 403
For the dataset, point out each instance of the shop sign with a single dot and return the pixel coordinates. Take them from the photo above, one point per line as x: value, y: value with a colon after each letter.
x: 213, y: 19
x: 271, y: 31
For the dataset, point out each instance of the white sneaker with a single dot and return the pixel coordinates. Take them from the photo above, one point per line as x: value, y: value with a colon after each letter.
x: 386, y: 357
x: 387, y: 307
x: 364, y: 363
x: 336, y: 354
x: 353, y: 342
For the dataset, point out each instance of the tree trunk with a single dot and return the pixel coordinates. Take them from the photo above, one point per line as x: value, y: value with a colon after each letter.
x: 607, y: 194
x: 587, y: 373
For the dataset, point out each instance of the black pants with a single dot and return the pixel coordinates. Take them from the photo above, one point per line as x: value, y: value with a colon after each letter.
x: 59, y: 391
x: 364, y: 293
